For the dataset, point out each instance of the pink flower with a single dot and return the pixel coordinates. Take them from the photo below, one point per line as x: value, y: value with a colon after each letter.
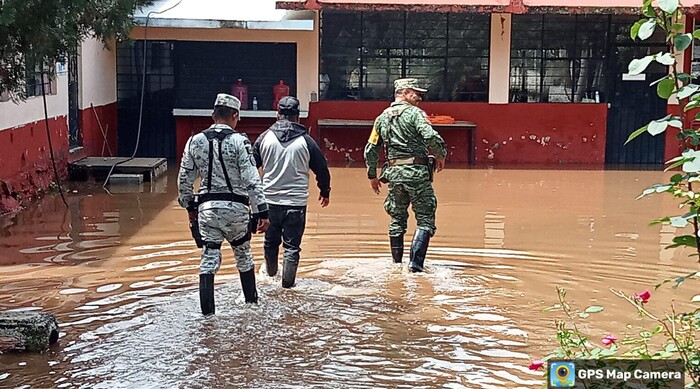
x: 536, y: 364
x: 644, y: 296
x: 609, y: 339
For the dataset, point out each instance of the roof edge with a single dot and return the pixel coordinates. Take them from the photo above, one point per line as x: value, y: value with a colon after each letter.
x: 514, y: 7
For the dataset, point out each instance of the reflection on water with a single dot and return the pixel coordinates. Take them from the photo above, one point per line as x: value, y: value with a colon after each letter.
x: 120, y: 273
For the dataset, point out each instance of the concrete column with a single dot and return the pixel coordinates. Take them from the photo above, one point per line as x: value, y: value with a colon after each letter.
x: 499, y: 59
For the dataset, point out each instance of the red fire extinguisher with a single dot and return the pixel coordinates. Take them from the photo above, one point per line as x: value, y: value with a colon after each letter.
x: 280, y: 90
x: 240, y: 90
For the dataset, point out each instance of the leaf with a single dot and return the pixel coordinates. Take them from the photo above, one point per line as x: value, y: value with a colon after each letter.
x: 665, y: 88
x: 687, y: 91
x: 584, y: 315
x: 634, y: 31
x: 691, y: 165
x: 658, y: 81
x: 668, y: 6
x: 594, y: 309
x: 648, y: 10
x: 683, y: 240
x: 637, y: 66
x: 657, y: 127
x: 683, y: 41
x: 676, y: 178
x: 695, y: 299
x: 636, y: 133
x: 679, y: 222
x: 684, y: 77
x: 675, y: 123
x: 696, y: 34
x: 647, y: 29
x: 674, y: 165
x: 665, y: 59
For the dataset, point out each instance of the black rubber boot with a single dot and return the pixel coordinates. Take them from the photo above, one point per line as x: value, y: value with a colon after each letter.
x: 418, y: 250
x: 206, y: 293
x: 271, y: 267
x: 289, y: 273
x: 396, y: 248
x: 248, y: 286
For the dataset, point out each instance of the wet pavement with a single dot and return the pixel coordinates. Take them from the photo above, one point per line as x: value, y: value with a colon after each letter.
x: 120, y: 273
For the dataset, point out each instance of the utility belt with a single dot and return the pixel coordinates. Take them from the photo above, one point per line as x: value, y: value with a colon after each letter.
x: 193, y: 207
x: 203, y: 198
x: 428, y: 161
x: 408, y: 161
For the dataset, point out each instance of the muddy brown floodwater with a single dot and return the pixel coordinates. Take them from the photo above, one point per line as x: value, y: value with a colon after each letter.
x: 120, y: 274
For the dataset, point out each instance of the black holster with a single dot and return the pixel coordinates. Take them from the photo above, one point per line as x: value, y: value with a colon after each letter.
x: 192, y: 209
x: 431, y: 167
x: 253, y: 224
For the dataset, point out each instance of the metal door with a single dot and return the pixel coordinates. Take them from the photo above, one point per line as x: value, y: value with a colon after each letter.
x: 632, y: 102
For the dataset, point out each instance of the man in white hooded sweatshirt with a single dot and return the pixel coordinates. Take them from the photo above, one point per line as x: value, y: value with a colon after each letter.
x: 286, y: 153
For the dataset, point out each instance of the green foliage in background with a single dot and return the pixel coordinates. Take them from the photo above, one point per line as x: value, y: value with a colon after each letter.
x: 42, y: 32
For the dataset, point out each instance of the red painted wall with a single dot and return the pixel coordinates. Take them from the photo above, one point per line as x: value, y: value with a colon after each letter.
x: 93, y: 137
x: 26, y: 168
x: 508, y: 133
x: 186, y: 126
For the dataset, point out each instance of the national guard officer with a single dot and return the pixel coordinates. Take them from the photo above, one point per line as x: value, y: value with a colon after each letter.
x: 223, y: 158
x: 407, y: 136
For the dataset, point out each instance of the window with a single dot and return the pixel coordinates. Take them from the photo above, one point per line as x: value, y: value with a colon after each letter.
x: 363, y: 53
x: 189, y: 74
x: 568, y: 68
x: 35, y: 78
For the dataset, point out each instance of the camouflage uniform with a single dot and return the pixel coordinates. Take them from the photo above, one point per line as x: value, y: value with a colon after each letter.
x: 406, y: 133
x: 222, y: 220
x: 233, y: 174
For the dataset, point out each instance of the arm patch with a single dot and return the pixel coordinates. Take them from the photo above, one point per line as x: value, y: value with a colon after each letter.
x: 374, y: 136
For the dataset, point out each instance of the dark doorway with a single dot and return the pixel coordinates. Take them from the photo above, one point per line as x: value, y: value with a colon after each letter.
x: 633, y: 103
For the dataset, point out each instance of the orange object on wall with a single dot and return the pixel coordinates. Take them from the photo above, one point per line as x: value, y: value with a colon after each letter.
x: 280, y: 90
x: 240, y: 90
x: 440, y: 119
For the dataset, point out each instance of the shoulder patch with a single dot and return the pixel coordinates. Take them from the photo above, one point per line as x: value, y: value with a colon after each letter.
x: 374, y: 135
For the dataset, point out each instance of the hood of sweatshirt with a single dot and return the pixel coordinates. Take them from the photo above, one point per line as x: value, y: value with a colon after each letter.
x: 285, y: 130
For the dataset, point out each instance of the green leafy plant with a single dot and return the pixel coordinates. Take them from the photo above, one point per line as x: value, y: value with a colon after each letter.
x: 677, y: 330
x: 671, y: 335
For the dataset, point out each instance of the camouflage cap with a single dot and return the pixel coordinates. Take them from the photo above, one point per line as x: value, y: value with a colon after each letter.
x: 224, y: 100
x: 408, y: 83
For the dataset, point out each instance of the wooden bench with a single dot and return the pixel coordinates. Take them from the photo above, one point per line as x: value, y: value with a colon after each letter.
x: 469, y: 127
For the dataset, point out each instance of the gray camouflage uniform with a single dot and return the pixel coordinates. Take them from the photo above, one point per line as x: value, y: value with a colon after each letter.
x: 222, y: 220
x: 406, y: 132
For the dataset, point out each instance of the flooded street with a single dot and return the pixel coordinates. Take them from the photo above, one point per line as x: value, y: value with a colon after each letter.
x: 120, y: 274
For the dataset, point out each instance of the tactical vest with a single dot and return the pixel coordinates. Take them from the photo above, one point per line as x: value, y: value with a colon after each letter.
x: 220, y: 135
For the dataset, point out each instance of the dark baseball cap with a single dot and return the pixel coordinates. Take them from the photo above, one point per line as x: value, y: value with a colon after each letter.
x: 288, y: 105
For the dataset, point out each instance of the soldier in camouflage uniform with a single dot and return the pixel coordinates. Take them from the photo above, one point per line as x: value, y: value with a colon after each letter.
x: 407, y: 135
x: 223, y: 158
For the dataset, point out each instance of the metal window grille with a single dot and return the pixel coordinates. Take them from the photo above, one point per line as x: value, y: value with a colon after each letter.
x: 363, y: 53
